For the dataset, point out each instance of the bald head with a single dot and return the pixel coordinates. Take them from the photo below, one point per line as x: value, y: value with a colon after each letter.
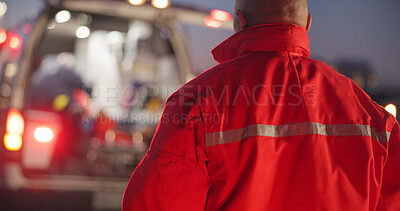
x: 254, y: 12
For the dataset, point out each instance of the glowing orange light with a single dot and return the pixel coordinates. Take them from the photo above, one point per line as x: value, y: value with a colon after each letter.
x: 12, y: 142
x: 136, y: 2
x: 43, y: 134
x: 221, y: 15
x: 14, y: 130
x: 15, y: 122
x: 211, y: 22
x: 3, y: 36
x: 15, y: 42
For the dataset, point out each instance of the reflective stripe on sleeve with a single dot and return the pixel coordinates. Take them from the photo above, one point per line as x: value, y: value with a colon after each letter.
x: 306, y: 128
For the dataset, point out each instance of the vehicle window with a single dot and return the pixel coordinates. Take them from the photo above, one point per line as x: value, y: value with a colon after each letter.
x: 105, y: 80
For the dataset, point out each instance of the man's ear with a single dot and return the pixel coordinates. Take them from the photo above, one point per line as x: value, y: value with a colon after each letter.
x: 309, y: 20
x: 241, y: 21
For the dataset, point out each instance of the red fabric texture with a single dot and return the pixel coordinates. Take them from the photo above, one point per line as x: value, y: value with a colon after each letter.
x: 266, y: 78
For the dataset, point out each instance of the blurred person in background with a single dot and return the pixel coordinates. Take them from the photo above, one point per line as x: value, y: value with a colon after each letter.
x: 290, y: 134
x: 57, y: 88
x: 55, y: 83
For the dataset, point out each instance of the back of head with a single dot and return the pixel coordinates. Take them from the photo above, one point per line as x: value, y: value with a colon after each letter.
x: 257, y: 12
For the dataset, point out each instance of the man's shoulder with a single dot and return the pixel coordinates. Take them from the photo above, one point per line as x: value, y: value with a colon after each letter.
x: 376, y: 112
x: 328, y: 70
x: 198, y: 85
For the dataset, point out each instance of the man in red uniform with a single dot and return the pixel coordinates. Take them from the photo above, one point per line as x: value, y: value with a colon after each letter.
x: 270, y: 129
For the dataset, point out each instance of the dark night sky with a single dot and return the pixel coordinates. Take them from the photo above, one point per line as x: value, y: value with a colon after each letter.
x: 360, y: 30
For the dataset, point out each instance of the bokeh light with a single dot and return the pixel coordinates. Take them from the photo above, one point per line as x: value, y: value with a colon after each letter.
x: 136, y: 2
x: 63, y: 16
x: 161, y: 4
x: 82, y: 32
x: 392, y: 109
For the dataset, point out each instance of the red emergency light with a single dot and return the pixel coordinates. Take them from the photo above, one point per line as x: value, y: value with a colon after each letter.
x: 221, y: 15
x: 43, y: 134
x: 212, y: 23
x: 3, y: 36
x: 14, y: 42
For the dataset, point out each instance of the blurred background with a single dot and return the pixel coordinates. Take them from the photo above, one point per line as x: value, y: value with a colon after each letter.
x: 83, y: 83
x: 363, y: 31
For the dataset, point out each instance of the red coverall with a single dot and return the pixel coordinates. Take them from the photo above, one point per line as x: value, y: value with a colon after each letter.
x: 270, y: 129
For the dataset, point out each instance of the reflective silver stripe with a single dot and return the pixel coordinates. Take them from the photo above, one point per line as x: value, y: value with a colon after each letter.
x: 306, y: 128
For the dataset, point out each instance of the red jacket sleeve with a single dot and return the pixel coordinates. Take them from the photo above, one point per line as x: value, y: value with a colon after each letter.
x: 390, y: 193
x: 173, y: 174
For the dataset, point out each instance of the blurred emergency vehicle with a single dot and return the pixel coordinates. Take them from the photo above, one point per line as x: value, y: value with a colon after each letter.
x: 83, y: 86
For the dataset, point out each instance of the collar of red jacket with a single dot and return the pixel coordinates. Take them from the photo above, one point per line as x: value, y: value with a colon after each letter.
x: 265, y: 37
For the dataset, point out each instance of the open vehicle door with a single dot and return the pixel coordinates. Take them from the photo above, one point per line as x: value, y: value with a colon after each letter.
x: 59, y: 134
